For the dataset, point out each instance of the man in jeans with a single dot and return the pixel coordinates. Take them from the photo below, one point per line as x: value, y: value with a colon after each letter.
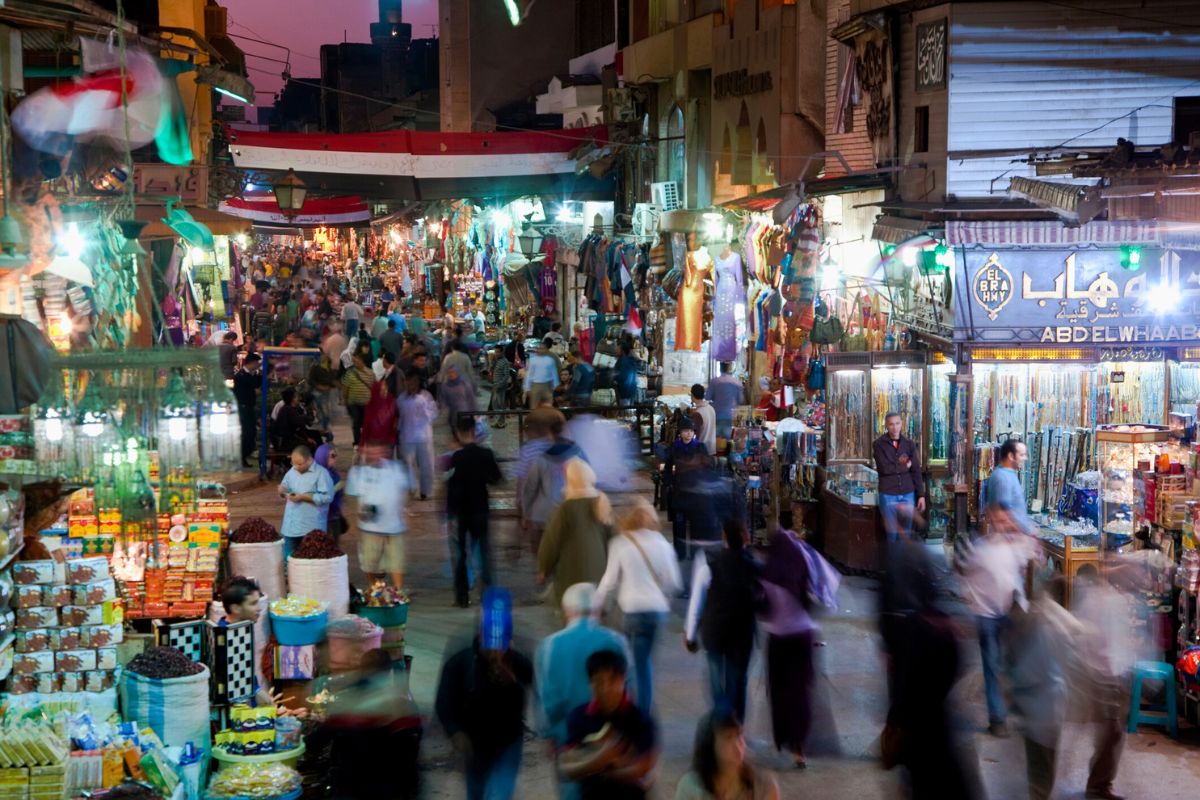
x: 993, y: 581
x: 901, y: 486
x: 725, y: 395
x: 472, y: 469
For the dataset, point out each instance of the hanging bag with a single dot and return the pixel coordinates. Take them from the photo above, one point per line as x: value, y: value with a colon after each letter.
x: 816, y: 375
x: 827, y: 330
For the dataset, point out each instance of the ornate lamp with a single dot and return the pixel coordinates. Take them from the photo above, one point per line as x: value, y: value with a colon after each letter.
x: 290, y: 193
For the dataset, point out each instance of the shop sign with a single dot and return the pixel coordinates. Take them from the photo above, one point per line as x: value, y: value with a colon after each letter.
x: 163, y: 180
x: 931, y: 56
x: 740, y: 83
x: 1078, y: 297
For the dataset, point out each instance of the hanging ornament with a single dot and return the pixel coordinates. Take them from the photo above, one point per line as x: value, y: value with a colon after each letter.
x: 221, y: 431
x: 54, y: 433
x: 176, y: 427
x: 95, y: 433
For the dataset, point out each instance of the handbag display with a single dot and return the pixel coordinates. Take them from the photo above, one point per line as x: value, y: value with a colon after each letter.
x: 816, y: 375
x: 827, y: 330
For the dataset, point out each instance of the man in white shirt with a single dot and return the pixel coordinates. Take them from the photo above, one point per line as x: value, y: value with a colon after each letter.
x: 381, y: 486
x: 707, y: 432
x: 418, y: 410
x: 541, y: 375
x: 993, y: 580
x: 351, y: 316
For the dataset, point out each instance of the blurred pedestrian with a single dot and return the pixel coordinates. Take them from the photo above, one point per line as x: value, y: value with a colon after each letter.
x: 1108, y: 649
x: 1036, y: 651
x: 322, y: 378
x: 541, y: 375
x: 795, y: 581
x: 612, y: 745
x: 457, y: 396
x: 381, y: 486
x: 720, y: 770
x: 308, y: 490
x: 502, y: 375
x: 481, y: 702
x: 644, y: 574
x: 326, y: 456
x: 721, y: 611
x: 352, y: 314
x: 683, y: 471
x: 993, y: 581
x: 472, y: 469
x: 575, y: 547
x: 456, y: 358
x: 560, y: 668
x: 725, y: 393
x: 227, y: 354
x: 356, y: 389
x: 537, y: 441
x: 583, y: 379
x: 544, y: 482
x: 418, y: 410
x: 706, y: 431
x: 626, y: 372
x: 919, y: 725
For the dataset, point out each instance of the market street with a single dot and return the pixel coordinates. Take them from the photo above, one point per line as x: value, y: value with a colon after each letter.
x: 844, y: 753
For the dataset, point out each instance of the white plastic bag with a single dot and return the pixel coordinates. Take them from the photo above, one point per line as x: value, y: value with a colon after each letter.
x: 176, y: 708
x: 325, y: 579
x: 262, y: 561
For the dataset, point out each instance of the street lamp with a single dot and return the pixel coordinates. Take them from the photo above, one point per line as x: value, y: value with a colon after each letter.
x: 289, y: 194
x: 530, y: 240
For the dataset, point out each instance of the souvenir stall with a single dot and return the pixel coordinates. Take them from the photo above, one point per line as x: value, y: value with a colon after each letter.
x: 1083, y: 352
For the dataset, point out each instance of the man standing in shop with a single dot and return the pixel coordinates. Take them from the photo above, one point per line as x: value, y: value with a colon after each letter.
x: 1004, y: 488
x: 901, y: 486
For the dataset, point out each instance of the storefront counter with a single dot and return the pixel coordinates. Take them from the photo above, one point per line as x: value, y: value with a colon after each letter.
x: 852, y: 532
x: 1070, y: 555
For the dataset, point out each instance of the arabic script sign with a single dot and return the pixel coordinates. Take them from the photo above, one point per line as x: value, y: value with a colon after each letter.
x: 1078, y: 297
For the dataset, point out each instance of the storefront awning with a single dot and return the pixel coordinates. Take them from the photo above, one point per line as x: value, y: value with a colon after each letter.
x: 1017, y: 233
x: 219, y: 223
x: 821, y: 187
x: 320, y: 211
x: 896, y: 230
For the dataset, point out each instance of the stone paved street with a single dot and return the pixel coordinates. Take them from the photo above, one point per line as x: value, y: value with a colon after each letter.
x: 851, y: 688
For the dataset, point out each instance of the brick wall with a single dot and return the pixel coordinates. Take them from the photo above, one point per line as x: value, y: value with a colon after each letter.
x: 854, y: 146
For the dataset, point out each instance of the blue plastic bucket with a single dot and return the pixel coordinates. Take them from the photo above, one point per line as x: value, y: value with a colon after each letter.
x: 295, y: 631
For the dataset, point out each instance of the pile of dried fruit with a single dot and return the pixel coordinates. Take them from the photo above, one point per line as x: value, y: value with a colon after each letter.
x: 254, y: 531
x: 163, y: 662
x: 317, y: 544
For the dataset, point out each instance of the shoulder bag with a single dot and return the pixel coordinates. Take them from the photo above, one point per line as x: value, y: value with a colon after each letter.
x: 653, y: 572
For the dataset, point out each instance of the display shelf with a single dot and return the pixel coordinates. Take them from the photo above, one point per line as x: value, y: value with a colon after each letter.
x: 1140, y: 434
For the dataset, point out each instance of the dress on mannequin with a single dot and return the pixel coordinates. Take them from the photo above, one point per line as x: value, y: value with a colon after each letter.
x: 689, y: 324
x: 730, y: 293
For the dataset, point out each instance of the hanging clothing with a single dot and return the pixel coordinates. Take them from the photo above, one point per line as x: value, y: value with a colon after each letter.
x: 548, y: 287
x: 689, y: 321
x: 730, y: 293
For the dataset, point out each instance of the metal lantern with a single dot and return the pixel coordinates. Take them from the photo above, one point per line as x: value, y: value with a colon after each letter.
x: 530, y: 240
x: 290, y: 193
x: 54, y: 433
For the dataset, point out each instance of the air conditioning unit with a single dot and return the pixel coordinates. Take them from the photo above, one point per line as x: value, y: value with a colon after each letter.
x: 623, y: 107
x: 665, y: 195
x: 645, y: 219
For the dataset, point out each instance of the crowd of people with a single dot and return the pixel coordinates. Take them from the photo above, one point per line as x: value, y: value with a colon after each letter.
x: 593, y: 686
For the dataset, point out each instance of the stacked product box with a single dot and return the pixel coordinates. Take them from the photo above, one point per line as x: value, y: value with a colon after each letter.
x: 168, y: 570
x: 68, y: 625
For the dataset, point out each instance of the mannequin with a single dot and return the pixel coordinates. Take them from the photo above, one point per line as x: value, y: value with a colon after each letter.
x: 689, y: 322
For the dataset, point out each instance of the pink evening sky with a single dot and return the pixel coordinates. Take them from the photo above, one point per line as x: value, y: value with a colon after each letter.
x: 303, y: 26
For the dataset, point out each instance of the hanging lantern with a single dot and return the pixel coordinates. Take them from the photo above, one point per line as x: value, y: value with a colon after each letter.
x: 176, y: 427
x: 54, y: 433
x: 221, y: 431
x: 95, y: 433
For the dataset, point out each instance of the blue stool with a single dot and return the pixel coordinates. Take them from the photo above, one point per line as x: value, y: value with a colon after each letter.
x: 1158, y: 714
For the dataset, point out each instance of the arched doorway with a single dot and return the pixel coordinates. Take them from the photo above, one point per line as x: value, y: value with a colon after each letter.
x: 743, y: 150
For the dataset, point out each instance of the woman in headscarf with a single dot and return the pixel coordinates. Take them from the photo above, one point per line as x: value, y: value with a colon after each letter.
x: 326, y: 456
x: 794, y: 581
x: 574, y: 547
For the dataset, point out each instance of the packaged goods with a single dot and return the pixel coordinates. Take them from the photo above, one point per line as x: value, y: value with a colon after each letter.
x: 75, y: 661
x: 254, y: 781
x: 34, y: 663
x: 40, y: 617
x: 25, y: 573
x: 294, y: 606
x: 95, y: 592
x: 87, y: 570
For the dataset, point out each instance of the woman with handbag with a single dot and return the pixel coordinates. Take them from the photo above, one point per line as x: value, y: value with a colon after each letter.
x: 644, y: 573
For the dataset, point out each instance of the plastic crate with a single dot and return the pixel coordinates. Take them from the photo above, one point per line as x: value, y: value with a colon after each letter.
x: 294, y: 631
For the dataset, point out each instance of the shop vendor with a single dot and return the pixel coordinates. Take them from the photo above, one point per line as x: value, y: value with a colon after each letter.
x: 901, y: 486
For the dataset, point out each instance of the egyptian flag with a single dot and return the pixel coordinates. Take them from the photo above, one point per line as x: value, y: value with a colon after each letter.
x: 633, y: 323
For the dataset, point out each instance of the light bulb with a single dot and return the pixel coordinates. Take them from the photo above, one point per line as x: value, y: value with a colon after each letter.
x: 54, y: 429
x: 93, y: 425
x: 73, y: 241
x: 177, y: 428
x: 218, y: 421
